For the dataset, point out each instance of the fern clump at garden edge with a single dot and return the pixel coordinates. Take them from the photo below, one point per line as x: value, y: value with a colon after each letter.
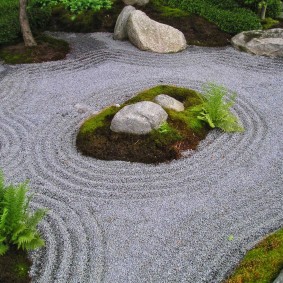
x: 17, y: 223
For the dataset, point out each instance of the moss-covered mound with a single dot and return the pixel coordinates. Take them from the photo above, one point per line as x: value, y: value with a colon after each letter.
x: 181, y: 132
x: 14, y: 266
x: 261, y: 264
x: 48, y: 49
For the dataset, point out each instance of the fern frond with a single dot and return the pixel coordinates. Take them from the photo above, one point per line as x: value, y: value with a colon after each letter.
x: 34, y: 219
x: 3, y: 248
x: 3, y: 220
x: 29, y: 240
x: 215, y: 110
x: 36, y: 243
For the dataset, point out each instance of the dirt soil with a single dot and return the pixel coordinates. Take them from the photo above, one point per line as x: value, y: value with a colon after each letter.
x: 48, y: 49
x: 14, y: 267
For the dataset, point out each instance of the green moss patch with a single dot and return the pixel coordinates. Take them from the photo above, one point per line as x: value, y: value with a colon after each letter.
x: 14, y: 266
x: 261, y: 264
x: 182, y: 131
x: 48, y: 49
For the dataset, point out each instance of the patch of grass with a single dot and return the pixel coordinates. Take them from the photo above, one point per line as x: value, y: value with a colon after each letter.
x: 187, y: 96
x: 268, y: 23
x: 48, y: 49
x: 99, y: 120
x: 261, y: 264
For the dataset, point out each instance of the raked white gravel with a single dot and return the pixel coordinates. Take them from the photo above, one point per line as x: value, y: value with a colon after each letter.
x: 121, y: 222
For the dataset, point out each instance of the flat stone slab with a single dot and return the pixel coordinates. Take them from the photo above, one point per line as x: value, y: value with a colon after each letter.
x: 260, y: 42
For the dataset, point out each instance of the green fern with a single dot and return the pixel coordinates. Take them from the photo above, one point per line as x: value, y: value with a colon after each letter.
x: 18, y: 226
x: 215, y: 111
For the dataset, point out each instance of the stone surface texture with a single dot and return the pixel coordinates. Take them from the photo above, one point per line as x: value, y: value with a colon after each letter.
x: 169, y: 102
x: 139, y: 118
x: 149, y: 35
x: 266, y: 42
x: 279, y: 279
x: 136, y: 2
x: 123, y: 222
x: 120, y: 30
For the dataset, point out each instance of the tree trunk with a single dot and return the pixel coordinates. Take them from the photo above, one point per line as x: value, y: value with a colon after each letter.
x: 263, y: 12
x: 25, y: 27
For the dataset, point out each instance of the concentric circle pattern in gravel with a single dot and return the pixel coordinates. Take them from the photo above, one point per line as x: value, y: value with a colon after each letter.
x: 121, y: 222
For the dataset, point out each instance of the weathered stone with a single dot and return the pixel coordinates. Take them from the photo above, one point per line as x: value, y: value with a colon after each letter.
x: 139, y: 118
x: 120, y: 30
x: 147, y: 34
x: 258, y: 42
x: 136, y: 2
x: 169, y: 102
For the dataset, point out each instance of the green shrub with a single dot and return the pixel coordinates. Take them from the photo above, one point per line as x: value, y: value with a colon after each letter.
x: 215, y: 111
x: 274, y: 9
x: 10, y: 30
x: 17, y: 224
x: 9, y: 23
x: 228, y: 16
x: 273, y: 6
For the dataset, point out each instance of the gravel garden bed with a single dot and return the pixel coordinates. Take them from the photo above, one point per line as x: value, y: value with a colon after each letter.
x: 117, y: 221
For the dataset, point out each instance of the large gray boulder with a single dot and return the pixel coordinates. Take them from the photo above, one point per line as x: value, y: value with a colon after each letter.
x: 139, y: 118
x: 147, y: 34
x: 260, y: 42
x: 120, y: 30
x: 136, y: 2
x: 169, y: 102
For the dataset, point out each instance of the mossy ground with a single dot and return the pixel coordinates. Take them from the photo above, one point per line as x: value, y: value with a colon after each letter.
x: 14, y: 267
x: 48, y: 49
x: 261, y: 264
x: 181, y: 132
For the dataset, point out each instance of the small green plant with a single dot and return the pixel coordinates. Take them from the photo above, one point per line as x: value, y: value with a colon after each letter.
x: 17, y: 223
x: 164, y: 128
x: 215, y: 111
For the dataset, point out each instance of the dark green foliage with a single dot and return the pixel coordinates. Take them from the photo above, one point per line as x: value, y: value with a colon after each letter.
x: 77, y: 6
x: 10, y: 30
x: 228, y: 16
x: 17, y: 223
x: 215, y: 111
x: 273, y: 6
x: 9, y: 23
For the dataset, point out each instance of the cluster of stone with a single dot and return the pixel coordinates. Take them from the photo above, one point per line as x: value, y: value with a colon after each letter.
x: 260, y: 42
x: 147, y: 34
x: 142, y: 117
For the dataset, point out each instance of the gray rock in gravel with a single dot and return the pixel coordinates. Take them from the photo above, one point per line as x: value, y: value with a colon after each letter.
x: 260, y: 42
x: 147, y: 34
x: 279, y: 279
x: 136, y: 2
x: 120, y: 30
x: 139, y: 118
x: 169, y: 102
